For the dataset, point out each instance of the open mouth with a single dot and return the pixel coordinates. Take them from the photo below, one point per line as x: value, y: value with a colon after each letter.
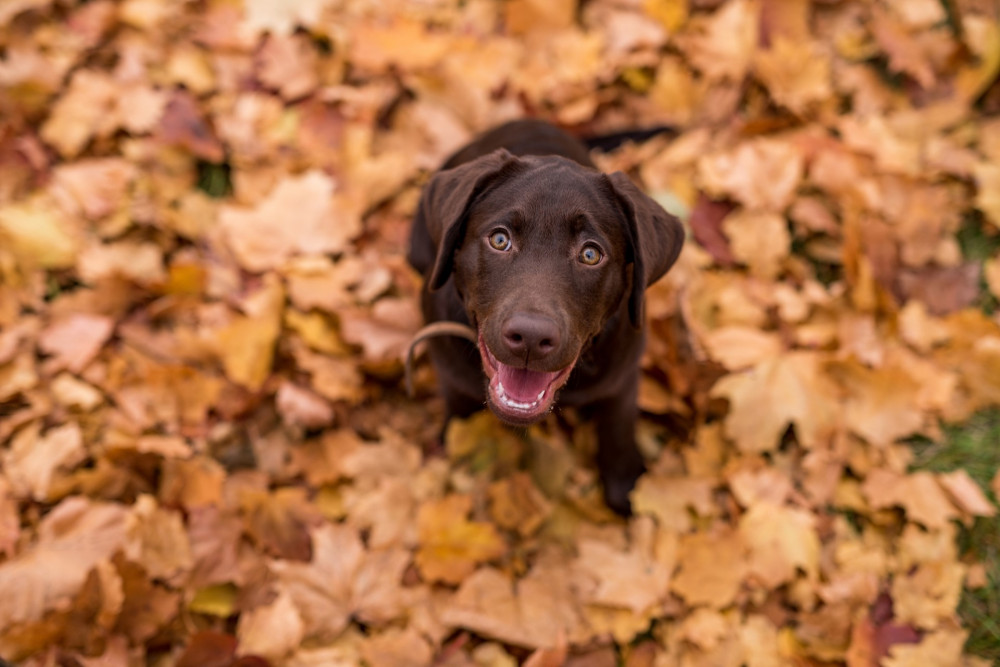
x: 520, y: 395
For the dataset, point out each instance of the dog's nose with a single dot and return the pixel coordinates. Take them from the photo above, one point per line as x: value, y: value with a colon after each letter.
x: 530, y: 336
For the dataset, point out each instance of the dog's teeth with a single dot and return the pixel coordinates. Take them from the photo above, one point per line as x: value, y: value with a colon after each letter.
x: 541, y: 395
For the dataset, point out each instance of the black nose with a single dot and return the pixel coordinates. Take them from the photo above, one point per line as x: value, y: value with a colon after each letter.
x: 530, y: 336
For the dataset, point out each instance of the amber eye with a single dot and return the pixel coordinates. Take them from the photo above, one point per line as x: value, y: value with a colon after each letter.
x: 500, y: 240
x: 591, y: 255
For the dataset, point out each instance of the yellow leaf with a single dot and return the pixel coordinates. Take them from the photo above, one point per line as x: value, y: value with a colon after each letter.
x: 218, y: 600
x: 711, y: 569
x: 764, y: 401
x: 451, y: 546
x: 39, y: 234
x: 247, y: 344
x: 780, y: 540
x: 984, y: 34
x: 670, y: 13
x: 796, y: 73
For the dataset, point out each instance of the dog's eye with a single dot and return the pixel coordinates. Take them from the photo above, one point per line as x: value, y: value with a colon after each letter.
x: 500, y: 240
x: 591, y: 255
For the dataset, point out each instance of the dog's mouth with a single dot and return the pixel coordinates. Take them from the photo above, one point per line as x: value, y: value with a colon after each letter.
x: 520, y: 395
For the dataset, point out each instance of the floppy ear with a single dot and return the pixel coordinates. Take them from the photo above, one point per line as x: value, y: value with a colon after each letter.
x: 654, y: 239
x: 444, y: 208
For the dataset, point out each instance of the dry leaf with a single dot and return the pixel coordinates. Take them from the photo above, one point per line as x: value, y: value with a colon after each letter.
x: 301, y: 215
x: 451, y: 546
x: 787, y: 390
x: 711, y: 568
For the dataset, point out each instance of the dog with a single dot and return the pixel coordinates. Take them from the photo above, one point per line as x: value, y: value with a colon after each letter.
x: 521, y: 237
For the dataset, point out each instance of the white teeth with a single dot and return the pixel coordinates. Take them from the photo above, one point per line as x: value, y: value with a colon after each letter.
x: 517, y: 405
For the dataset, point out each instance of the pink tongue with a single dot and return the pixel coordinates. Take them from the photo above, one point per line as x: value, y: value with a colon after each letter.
x: 521, y: 384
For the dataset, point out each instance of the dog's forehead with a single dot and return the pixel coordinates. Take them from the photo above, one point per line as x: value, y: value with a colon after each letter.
x: 553, y: 189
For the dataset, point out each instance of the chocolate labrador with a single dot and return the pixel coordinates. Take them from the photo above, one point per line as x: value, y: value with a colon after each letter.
x: 546, y: 258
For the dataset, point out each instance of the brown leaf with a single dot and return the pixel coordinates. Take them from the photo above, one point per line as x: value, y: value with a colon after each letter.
x: 39, y: 234
x: 706, y: 227
x: 32, y: 461
x: 208, y: 648
x: 711, y: 568
x: 301, y: 407
x: 183, y: 124
x: 534, y: 612
x: 301, y: 215
x: 764, y: 401
x: 72, y: 539
x: 966, y: 494
x: 76, y: 340
x: 271, y: 630
x: 280, y: 521
x: 451, y: 546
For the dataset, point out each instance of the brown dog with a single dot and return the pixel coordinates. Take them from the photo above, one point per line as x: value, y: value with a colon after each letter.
x: 546, y: 258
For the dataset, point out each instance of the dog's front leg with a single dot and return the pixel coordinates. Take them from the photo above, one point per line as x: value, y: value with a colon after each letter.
x: 618, y: 459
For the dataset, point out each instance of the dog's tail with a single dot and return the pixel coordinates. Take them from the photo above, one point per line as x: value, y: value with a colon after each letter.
x: 608, y: 142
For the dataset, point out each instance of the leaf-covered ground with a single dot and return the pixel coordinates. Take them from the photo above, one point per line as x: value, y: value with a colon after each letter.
x: 206, y: 457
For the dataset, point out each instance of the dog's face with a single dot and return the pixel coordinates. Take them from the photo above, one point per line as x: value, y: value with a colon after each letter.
x: 541, y: 268
x: 543, y: 252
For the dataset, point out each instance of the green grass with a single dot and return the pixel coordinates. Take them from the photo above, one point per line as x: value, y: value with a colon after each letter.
x: 215, y: 180
x: 975, y: 446
x: 977, y: 246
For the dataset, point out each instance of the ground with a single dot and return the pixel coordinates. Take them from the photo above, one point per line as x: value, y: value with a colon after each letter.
x: 206, y: 453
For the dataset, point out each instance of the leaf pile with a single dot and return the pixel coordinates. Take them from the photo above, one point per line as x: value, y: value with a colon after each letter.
x: 205, y: 454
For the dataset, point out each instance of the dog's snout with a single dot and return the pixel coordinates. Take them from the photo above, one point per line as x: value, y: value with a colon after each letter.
x: 530, y: 336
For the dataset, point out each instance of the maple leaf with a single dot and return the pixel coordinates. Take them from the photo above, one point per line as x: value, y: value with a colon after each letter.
x: 722, y: 45
x: 451, y: 546
x: 86, y: 109
x: 39, y: 233
x: 779, y: 541
x: 299, y: 216
x: 671, y: 500
x: 758, y: 239
x: 534, y: 612
x: 72, y: 539
x: 943, y: 647
x: 796, y: 73
x: 711, y: 568
x: 157, y: 540
x: 761, y: 173
x: 627, y: 579
x: 342, y: 580
x: 247, y: 344
x: 271, y: 630
x: 32, y: 461
x: 778, y: 392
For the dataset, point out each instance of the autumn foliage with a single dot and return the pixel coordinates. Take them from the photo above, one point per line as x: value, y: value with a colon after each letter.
x: 206, y: 456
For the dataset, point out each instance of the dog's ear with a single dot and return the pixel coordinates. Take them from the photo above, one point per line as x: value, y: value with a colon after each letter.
x: 654, y: 239
x: 445, y: 203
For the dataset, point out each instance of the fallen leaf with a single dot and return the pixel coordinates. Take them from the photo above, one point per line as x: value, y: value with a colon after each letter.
x: 39, y: 234
x: 783, y: 391
x: 299, y: 216
x: 73, y: 538
x: 796, y: 73
x: 534, y: 612
x: 301, y: 407
x: 451, y: 546
x: 966, y: 494
x: 759, y: 240
x: 711, y: 568
x: 273, y: 630
x: 722, y: 45
x: 33, y: 460
x: 74, y: 341
x: 780, y: 541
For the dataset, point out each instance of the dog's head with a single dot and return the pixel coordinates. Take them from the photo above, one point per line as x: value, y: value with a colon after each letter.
x: 543, y: 252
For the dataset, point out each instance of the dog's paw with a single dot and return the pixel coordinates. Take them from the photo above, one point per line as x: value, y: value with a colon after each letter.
x: 617, y: 489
